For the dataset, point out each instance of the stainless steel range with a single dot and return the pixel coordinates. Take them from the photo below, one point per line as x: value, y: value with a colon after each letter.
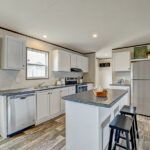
x: 80, y: 87
x: 69, y: 81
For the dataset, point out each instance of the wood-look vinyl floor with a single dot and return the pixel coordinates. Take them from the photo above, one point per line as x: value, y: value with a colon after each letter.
x: 51, y: 136
x: 47, y: 136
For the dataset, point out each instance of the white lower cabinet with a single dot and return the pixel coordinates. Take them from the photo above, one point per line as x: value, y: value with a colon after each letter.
x: 105, y: 132
x: 71, y: 90
x: 54, y: 102
x: 63, y: 92
x: 90, y: 86
x: 50, y: 103
x: 42, y: 106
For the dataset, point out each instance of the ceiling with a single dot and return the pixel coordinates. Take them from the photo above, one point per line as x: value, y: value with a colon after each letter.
x: 71, y: 23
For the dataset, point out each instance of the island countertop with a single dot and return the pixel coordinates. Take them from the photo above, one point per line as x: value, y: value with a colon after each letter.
x: 88, y: 97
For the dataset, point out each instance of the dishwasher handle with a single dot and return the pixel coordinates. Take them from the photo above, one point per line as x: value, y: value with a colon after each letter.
x: 21, y: 96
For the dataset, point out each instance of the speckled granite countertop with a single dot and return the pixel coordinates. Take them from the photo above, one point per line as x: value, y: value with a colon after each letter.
x: 32, y: 90
x: 118, y: 84
x: 29, y: 90
x: 88, y: 97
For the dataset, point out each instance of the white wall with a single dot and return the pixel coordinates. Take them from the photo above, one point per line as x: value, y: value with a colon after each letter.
x: 104, y: 53
x: 105, y: 74
x: 121, y: 75
x: 17, y: 79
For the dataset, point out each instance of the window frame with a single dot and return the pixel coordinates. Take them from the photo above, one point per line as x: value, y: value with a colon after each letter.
x: 36, y: 78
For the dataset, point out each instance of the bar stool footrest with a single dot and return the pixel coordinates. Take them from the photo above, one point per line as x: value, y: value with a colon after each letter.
x: 120, y: 146
x: 122, y: 137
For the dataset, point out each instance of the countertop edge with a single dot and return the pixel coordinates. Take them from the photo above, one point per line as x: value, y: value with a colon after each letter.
x: 19, y: 91
x: 97, y: 104
x: 117, y: 84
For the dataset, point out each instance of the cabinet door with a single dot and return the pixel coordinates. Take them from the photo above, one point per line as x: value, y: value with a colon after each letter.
x: 14, y: 54
x: 42, y: 106
x: 60, y: 60
x: 54, y: 101
x: 90, y: 86
x: 79, y: 61
x: 73, y: 61
x: 63, y: 92
x: 85, y: 64
x: 105, y: 133
x: 72, y: 90
x: 64, y: 61
x: 121, y: 61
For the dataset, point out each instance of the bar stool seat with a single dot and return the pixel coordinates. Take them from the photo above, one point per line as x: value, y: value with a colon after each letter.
x: 131, y: 111
x: 122, y: 124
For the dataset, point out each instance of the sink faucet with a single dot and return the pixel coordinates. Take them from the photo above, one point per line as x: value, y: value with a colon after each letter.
x: 39, y: 85
x: 121, y: 81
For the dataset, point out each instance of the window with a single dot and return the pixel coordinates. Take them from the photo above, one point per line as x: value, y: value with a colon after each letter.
x: 37, y: 64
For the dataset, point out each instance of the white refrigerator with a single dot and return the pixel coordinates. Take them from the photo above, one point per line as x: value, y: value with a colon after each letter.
x: 140, y: 86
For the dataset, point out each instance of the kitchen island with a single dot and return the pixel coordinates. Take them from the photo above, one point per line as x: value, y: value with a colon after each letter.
x: 88, y: 118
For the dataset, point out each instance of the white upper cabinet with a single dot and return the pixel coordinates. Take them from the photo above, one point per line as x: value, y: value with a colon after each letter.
x: 12, y: 53
x: 82, y: 63
x: 64, y: 61
x: 61, y: 60
x: 78, y: 61
x: 121, y: 61
x: 85, y: 64
x: 73, y: 61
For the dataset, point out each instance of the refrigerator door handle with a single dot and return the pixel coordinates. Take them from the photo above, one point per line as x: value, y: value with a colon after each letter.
x: 131, y: 72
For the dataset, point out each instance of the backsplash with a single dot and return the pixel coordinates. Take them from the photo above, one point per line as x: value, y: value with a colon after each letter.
x: 10, y: 79
x: 121, y: 75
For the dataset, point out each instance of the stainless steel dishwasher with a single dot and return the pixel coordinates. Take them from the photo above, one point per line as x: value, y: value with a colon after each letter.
x: 21, y: 112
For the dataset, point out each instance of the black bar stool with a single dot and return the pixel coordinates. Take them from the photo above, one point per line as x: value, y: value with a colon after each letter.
x: 131, y: 111
x: 122, y: 124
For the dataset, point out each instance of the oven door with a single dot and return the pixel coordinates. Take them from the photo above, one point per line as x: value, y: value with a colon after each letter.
x: 81, y: 88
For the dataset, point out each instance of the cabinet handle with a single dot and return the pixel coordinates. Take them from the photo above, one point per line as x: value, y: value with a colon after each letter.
x: 23, y: 98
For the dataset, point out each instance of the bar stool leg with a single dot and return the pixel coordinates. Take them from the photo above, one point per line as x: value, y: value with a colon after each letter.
x: 117, y: 134
x: 137, y: 132
x: 118, y: 137
x: 110, y: 139
x: 132, y: 137
x: 127, y: 141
